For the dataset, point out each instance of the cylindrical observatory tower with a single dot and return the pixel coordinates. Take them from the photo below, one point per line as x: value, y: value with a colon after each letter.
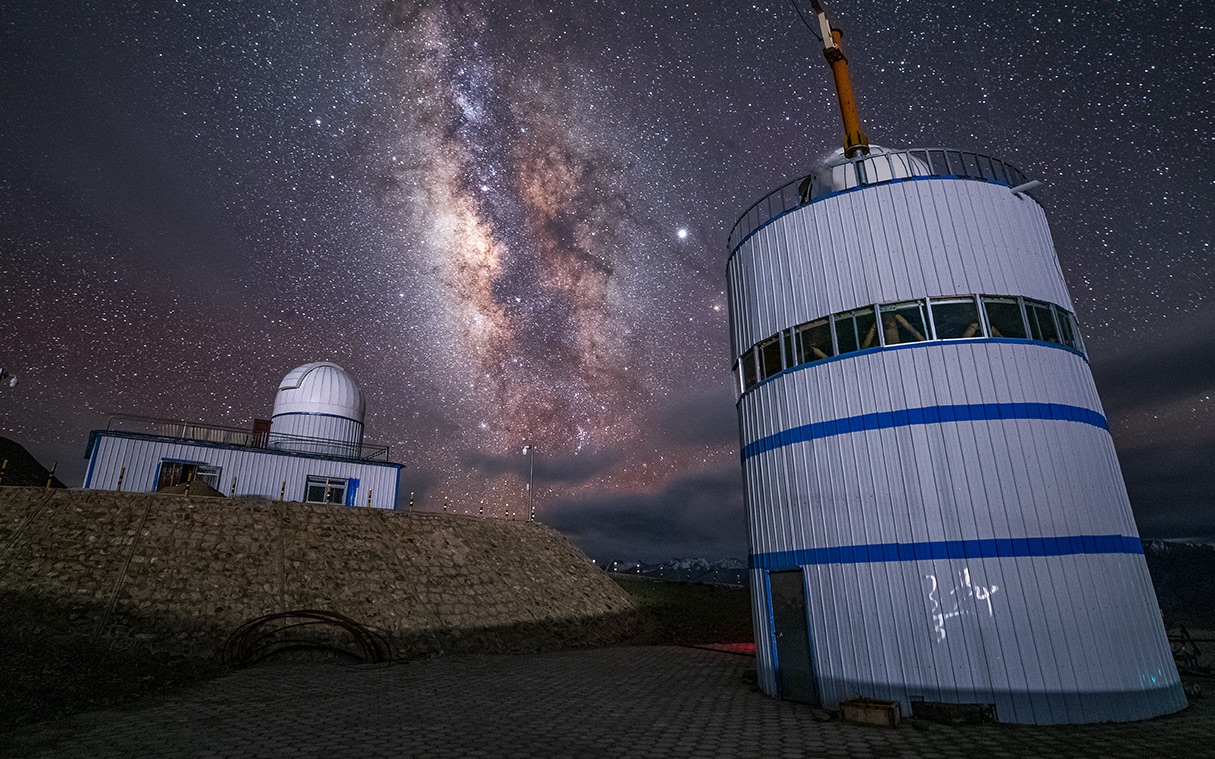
x: 935, y: 508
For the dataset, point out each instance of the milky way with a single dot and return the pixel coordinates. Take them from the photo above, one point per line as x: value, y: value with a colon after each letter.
x: 507, y: 221
x: 524, y: 223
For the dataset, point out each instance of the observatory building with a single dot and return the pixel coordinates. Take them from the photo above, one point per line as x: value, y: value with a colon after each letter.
x: 311, y: 449
x: 935, y: 507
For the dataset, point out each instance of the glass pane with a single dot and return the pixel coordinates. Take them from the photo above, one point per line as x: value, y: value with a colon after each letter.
x: 790, y: 352
x: 1041, y: 321
x: 956, y: 319
x: 769, y: 358
x: 904, y: 323
x: 337, y: 493
x: 866, y: 328
x: 845, y: 332
x: 1066, y: 331
x: 856, y: 330
x: 748, y: 369
x: 1004, y: 317
x: 815, y: 341
x: 316, y: 493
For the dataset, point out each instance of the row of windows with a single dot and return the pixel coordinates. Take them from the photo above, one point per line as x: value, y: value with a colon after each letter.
x: 957, y: 317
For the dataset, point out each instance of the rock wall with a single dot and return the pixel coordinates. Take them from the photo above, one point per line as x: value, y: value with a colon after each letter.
x: 175, y: 575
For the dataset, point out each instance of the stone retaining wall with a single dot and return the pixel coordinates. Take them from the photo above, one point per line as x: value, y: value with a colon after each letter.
x: 176, y: 575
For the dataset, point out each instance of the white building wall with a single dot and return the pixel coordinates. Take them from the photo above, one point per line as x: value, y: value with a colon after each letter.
x: 892, y: 242
x: 323, y: 434
x: 258, y: 473
x: 992, y: 559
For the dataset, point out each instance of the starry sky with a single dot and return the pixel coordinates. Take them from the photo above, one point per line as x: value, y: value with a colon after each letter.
x: 507, y: 220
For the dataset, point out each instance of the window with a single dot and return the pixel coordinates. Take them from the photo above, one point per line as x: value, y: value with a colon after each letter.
x: 814, y: 339
x: 904, y: 323
x: 955, y: 318
x: 325, y: 490
x: 856, y: 330
x: 1067, y: 328
x: 1041, y: 321
x: 1004, y: 317
x: 176, y: 472
x: 769, y: 357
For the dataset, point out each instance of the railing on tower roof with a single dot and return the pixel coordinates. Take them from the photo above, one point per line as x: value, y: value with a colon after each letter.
x: 878, y: 167
x: 214, y: 433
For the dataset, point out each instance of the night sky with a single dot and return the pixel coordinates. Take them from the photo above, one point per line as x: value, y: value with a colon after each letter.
x: 507, y: 220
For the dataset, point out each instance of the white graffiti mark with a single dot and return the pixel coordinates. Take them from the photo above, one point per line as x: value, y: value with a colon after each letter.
x: 965, y: 598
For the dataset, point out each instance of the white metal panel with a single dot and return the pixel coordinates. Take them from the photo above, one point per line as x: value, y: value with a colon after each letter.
x: 892, y: 242
x: 1012, y: 646
x: 257, y: 473
x: 316, y: 433
x: 1072, y: 637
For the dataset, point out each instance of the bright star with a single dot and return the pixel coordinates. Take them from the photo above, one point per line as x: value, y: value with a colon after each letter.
x: 682, y: 234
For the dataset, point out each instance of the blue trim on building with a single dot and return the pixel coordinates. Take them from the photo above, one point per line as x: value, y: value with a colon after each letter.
x: 907, y: 417
x: 88, y: 454
x: 910, y: 346
x: 988, y: 548
x: 772, y: 630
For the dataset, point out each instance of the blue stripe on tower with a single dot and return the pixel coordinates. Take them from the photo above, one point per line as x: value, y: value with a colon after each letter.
x: 988, y: 548
x: 882, y: 420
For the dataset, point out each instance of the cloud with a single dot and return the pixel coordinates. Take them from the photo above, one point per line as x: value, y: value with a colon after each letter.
x: 1172, y: 489
x: 568, y: 469
x: 701, y: 515
x: 704, y: 418
x: 1155, y: 370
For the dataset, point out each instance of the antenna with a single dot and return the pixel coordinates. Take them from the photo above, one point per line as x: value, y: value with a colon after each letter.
x: 855, y: 141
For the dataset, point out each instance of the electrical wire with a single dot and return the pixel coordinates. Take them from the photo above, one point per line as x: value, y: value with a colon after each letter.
x: 809, y: 26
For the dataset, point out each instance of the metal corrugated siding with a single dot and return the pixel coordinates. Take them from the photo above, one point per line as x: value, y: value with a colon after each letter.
x: 888, y: 243
x: 259, y: 473
x: 347, y: 434
x: 1069, y: 638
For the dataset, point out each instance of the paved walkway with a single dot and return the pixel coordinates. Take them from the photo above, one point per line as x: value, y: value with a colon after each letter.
x: 617, y: 702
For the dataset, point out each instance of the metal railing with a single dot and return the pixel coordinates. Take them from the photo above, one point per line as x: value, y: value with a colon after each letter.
x: 845, y: 174
x: 214, y: 433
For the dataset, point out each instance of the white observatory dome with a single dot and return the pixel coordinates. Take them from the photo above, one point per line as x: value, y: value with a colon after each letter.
x: 318, y: 409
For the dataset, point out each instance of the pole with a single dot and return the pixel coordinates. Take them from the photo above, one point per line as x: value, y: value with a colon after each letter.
x: 531, y: 472
x: 856, y: 142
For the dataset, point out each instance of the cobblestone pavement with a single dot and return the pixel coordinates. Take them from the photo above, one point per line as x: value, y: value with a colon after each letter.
x: 616, y: 702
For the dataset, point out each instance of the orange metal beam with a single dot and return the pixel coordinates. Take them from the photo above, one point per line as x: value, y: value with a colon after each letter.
x: 855, y: 141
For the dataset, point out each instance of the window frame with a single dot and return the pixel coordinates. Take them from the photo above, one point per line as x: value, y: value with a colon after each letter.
x: 319, y: 480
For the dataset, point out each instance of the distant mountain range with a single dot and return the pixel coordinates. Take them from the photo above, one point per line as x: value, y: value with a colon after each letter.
x: 1183, y: 574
